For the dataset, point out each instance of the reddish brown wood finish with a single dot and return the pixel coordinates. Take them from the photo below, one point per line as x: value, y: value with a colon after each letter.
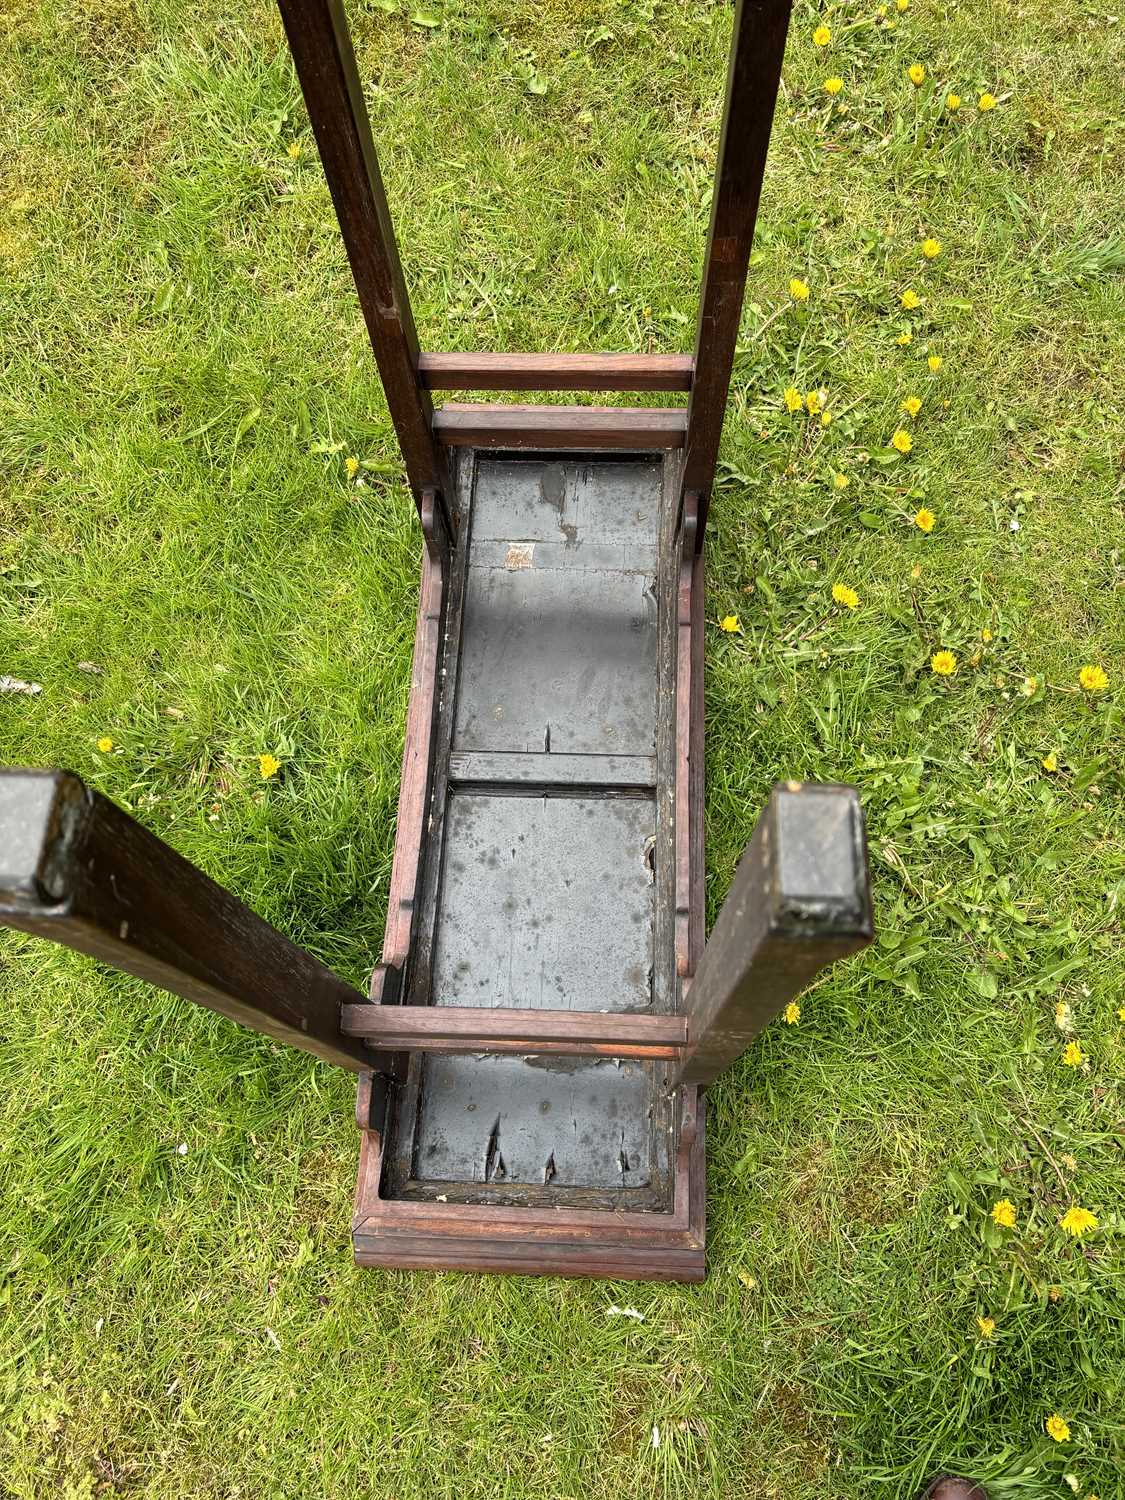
x: 556, y: 372
x: 322, y: 52
x: 757, y: 48
x: 455, y: 1028
x: 414, y: 792
x: 417, y: 767
x: 631, y: 428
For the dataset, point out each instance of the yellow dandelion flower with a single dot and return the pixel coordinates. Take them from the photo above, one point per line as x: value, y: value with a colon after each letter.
x: 1004, y: 1214
x: 912, y: 405
x: 1057, y: 1429
x: 1078, y: 1221
x: 822, y: 36
x: 812, y: 401
x: 1121, y: 1013
x: 902, y: 441
x: 931, y: 248
x: 1062, y: 1015
x: 352, y: 466
x: 833, y: 86
x: 924, y: 520
x: 905, y: 338
x: 987, y: 1327
x: 268, y: 765
x: 911, y: 299
x: 1093, y: 680
x: 902, y: 4
x: 844, y: 595
x: 917, y: 74
x: 826, y: 419
x: 916, y: 571
x: 1029, y: 687
x: 1050, y: 761
x: 105, y: 744
x: 792, y: 1013
x: 935, y: 363
x: 986, y: 102
x: 792, y: 398
x: 841, y: 481
x: 986, y: 634
x: 944, y: 663
x: 293, y: 150
x: 799, y: 290
x: 953, y: 101
x: 731, y: 624
x: 1073, y: 1055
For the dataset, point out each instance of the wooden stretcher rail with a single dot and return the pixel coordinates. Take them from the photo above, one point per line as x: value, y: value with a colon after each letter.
x: 556, y: 372
x: 457, y: 1028
x: 632, y: 428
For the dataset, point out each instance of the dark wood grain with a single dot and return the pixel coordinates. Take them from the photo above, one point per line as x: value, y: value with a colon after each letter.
x: 630, y: 428
x: 469, y: 1029
x: 800, y: 899
x: 757, y: 47
x: 322, y: 52
x: 556, y: 372
x: 82, y: 872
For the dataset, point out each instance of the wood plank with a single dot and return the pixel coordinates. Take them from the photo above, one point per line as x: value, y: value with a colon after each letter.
x: 465, y: 1029
x: 446, y: 1252
x: 322, y: 52
x: 630, y: 428
x: 757, y: 47
x: 800, y: 899
x: 79, y: 870
x: 556, y: 372
x: 503, y: 767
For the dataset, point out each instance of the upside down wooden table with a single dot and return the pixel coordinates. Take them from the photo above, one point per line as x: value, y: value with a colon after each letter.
x: 533, y: 1049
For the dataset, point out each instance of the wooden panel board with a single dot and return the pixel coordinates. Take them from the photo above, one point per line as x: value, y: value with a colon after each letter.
x: 559, y: 646
x: 546, y: 902
x: 486, y: 768
x: 633, y: 428
x: 476, y: 1028
x: 556, y: 372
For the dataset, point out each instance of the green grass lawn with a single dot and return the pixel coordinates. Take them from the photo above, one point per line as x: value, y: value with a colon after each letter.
x: 188, y: 568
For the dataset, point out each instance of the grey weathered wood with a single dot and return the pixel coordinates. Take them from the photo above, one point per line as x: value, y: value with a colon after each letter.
x: 75, y: 868
x: 800, y: 899
x: 484, y: 768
